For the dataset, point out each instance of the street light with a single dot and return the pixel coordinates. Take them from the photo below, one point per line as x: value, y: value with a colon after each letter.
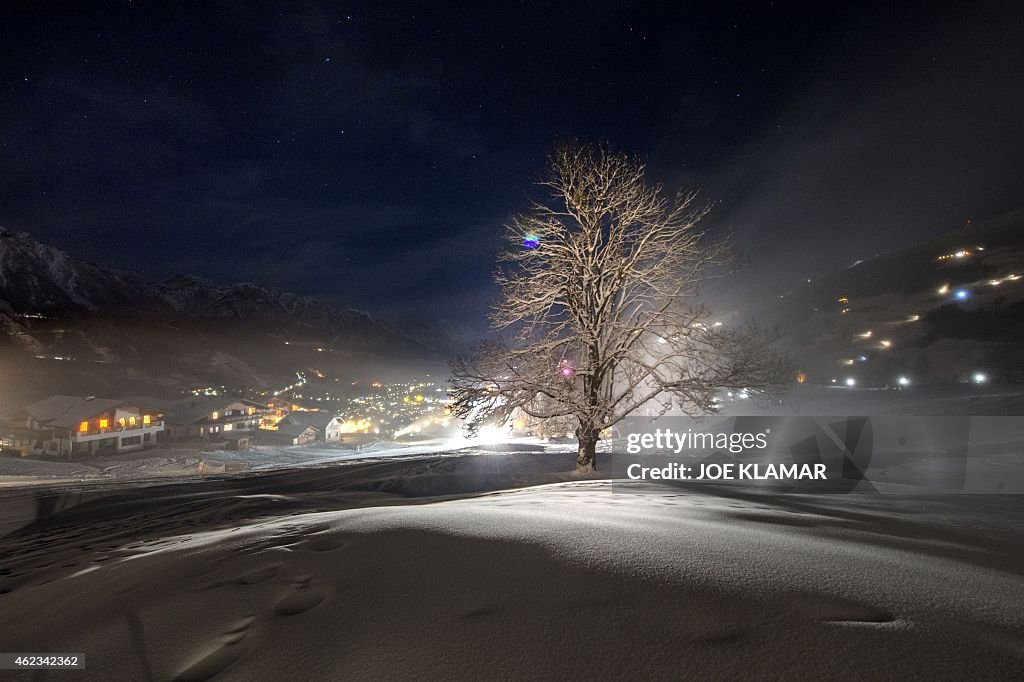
x: 851, y: 382
x: 903, y: 381
x: 979, y: 378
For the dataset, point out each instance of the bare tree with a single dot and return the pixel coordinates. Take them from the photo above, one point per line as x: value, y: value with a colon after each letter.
x: 597, y: 315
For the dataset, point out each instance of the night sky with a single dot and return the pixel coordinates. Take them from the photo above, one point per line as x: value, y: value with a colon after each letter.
x: 369, y: 153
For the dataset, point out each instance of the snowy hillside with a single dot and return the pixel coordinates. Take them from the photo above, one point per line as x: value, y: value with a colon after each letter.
x: 938, y: 312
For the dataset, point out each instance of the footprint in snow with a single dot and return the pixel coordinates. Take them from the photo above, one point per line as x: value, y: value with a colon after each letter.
x: 301, y: 600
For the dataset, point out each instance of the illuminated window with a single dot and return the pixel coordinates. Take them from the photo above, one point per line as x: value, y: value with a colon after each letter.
x: 121, y: 422
x: 252, y: 410
x: 104, y: 423
x: 132, y: 421
x: 146, y: 419
x: 215, y: 415
x: 84, y: 427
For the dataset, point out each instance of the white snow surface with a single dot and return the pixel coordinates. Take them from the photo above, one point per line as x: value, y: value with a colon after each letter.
x: 352, y: 574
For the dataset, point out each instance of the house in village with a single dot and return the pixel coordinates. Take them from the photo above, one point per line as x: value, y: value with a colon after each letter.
x: 277, y: 409
x: 69, y: 426
x: 213, y: 417
x: 288, y: 433
x: 328, y: 426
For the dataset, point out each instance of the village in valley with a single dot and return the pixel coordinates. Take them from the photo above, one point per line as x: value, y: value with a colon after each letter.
x: 215, y: 429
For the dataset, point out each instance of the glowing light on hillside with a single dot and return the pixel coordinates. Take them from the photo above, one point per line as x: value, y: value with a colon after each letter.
x: 851, y: 382
x: 979, y: 378
x: 995, y: 282
x: 943, y: 290
x: 903, y: 381
x: 913, y: 318
x: 886, y: 343
x: 865, y: 335
x: 961, y: 294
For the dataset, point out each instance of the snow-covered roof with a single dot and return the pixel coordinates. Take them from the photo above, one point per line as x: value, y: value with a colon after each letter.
x: 66, y: 411
x: 197, y: 408
x: 293, y: 430
x: 318, y: 420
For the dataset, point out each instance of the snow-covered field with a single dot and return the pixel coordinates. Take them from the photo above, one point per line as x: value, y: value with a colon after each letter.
x: 508, y: 567
x: 186, y: 464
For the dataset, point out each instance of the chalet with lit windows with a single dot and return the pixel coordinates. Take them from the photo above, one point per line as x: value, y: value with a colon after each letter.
x: 213, y: 417
x: 72, y: 426
x: 277, y: 409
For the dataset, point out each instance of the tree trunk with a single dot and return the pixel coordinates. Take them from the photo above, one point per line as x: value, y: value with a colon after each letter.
x: 586, y: 455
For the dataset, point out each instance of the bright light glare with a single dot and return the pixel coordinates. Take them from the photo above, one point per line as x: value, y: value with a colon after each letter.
x: 886, y: 343
x: 961, y: 294
x: 903, y: 381
x: 491, y: 434
x: 850, y: 381
x: 979, y: 378
x: 943, y: 290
